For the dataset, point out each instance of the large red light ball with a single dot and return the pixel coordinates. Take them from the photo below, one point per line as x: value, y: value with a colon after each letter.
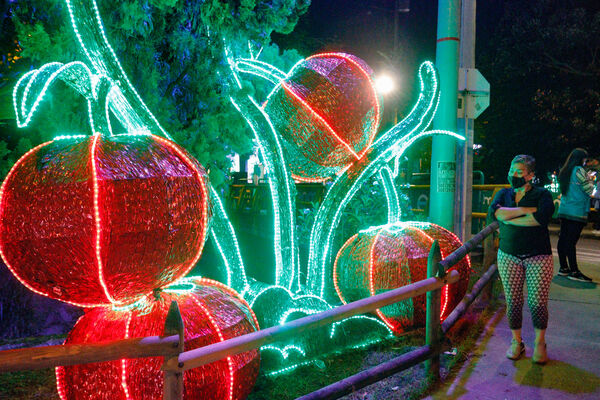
x: 327, y: 112
x: 103, y: 220
x: 211, y: 313
x: 390, y: 256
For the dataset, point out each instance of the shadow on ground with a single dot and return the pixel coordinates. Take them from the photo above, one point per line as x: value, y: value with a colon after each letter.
x: 555, y: 375
x: 568, y: 283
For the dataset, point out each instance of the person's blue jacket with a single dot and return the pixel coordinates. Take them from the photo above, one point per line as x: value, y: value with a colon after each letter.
x: 575, y: 205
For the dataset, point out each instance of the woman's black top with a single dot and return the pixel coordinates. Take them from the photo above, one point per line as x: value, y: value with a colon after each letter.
x: 525, y: 241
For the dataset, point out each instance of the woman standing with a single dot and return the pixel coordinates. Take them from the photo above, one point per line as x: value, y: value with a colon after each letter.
x: 576, y: 189
x: 525, y: 255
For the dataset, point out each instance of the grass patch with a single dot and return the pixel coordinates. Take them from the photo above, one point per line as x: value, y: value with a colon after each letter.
x: 28, y: 385
x: 337, y: 366
x: 31, y: 341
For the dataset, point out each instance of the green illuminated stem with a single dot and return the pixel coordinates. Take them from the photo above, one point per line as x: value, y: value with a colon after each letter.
x: 98, y: 118
x: 283, y: 191
x: 392, y: 143
x: 391, y: 194
x: 223, y: 235
x: 261, y: 69
x: 125, y: 102
x: 281, y: 185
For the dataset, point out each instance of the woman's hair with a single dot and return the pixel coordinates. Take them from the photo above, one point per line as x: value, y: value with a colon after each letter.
x: 526, y: 160
x: 575, y: 159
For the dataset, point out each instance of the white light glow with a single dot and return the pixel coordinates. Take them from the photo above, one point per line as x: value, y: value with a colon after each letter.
x: 385, y: 84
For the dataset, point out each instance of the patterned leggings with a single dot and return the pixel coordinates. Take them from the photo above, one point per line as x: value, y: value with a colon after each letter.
x: 537, y: 271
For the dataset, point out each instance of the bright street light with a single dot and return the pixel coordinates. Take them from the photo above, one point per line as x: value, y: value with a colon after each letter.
x: 384, y: 84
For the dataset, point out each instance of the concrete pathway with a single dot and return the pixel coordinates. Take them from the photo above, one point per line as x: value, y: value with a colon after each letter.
x: 573, y: 339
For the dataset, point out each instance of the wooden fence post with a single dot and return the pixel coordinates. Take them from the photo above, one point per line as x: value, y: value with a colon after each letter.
x: 489, y: 258
x: 433, y: 330
x: 173, y: 380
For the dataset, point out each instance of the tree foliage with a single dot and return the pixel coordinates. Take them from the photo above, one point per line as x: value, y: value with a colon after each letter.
x: 542, y: 59
x: 173, y: 52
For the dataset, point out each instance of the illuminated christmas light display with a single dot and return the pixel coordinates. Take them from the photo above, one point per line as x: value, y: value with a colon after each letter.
x: 390, y: 256
x: 318, y: 123
x: 211, y: 313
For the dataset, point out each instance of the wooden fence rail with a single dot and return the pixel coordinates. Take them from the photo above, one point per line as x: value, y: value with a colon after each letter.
x: 52, y: 356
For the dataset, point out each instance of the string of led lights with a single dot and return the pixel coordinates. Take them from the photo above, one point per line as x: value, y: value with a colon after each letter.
x: 223, y: 235
x: 127, y: 104
x: 391, y: 194
x: 281, y: 185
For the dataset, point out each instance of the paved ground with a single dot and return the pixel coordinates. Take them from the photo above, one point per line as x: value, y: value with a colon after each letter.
x: 573, y: 338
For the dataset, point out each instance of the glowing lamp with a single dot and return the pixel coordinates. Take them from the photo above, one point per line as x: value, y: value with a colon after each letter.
x: 327, y: 111
x: 211, y: 313
x: 389, y: 256
x: 101, y: 220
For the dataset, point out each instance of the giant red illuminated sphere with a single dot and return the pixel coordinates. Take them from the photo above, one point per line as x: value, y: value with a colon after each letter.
x: 327, y: 112
x: 211, y: 313
x: 390, y: 256
x: 103, y: 220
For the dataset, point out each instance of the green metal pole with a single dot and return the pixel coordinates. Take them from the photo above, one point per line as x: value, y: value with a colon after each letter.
x: 443, y: 154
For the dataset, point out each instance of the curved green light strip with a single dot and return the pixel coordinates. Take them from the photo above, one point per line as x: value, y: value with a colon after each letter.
x: 361, y: 317
x: 296, y: 299
x: 278, y: 250
x: 88, y: 27
x: 224, y: 237
x: 260, y: 68
x: 290, y: 368
x: 290, y: 311
x: 48, y: 74
x: 285, y: 352
x: 281, y: 186
x: 391, y: 195
x: 255, y: 63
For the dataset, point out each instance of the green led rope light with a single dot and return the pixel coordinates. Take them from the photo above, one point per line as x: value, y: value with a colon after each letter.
x: 391, y: 194
x: 223, y: 234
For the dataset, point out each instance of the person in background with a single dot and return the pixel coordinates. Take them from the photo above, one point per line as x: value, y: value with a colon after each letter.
x: 576, y: 188
x: 524, y: 254
x: 593, y: 168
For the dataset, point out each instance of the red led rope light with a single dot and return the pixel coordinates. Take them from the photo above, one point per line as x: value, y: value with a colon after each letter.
x: 320, y: 118
x: 373, y: 92
x: 335, y: 275
x: 222, y: 339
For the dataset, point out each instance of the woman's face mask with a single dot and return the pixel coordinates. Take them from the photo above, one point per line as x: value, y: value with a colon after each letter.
x: 519, y: 175
x: 516, y: 182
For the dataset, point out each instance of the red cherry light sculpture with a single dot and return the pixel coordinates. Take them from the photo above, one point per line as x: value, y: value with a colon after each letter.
x: 327, y: 112
x: 103, y: 220
x: 390, y: 256
x: 211, y: 313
